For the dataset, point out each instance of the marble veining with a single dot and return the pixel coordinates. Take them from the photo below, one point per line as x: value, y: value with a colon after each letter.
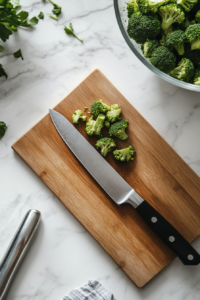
x: 64, y: 255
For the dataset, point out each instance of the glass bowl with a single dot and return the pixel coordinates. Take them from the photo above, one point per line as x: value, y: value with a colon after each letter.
x: 122, y: 19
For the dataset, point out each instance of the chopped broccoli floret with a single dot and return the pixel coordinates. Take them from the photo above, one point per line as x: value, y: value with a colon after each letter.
x: 193, y: 36
x: 197, y: 77
x: 85, y: 108
x: 114, y: 113
x: 176, y: 39
x: 187, y: 4
x: 193, y: 55
x: 197, y: 17
x: 99, y: 107
x: 94, y: 127
x: 3, y: 128
x: 132, y: 7
x: 184, y: 71
x: 163, y: 59
x: 78, y: 115
x: 149, y: 46
x: 125, y: 154
x: 151, y: 6
x: 107, y: 124
x: 142, y: 27
x: 106, y: 145
x: 118, y: 129
x: 170, y: 14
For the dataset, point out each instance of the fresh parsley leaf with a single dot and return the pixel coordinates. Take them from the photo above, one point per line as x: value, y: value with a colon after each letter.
x: 57, y: 9
x: 3, y: 128
x: 18, y: 54
x: 30, y: 22
x: 2, y: 72
x: 70, y: 31
x: 53, y: 17
x: 41, y: 15
x: 22, y: 15
x: 4, y: 32
x: 1, y: 48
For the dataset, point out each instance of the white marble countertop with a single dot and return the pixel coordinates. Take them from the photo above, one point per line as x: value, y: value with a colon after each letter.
x: 64, y: 255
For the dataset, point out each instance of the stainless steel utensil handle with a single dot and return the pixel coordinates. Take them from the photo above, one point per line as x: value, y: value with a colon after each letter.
x: 17, y: 250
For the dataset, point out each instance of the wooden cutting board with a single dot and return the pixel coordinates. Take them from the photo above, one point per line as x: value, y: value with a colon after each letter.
x: 158, y: 174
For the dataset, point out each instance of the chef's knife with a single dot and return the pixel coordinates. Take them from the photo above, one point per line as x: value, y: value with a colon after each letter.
x: 120, y: 191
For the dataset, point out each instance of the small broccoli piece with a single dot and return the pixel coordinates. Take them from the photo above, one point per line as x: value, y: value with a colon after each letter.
x: 177, y: 40
x: 163, y: 59
x: 3, y: 128
x: 106, y: 145
x: 125, y: 154
x: 151, y: 6
x: 170, y: 14
x: 149, y: 46
x: 78, y: 115
x: 142, y: 27
x: 107, y: 124
x: 90, y: 126
x: 193, y: 55
x: 193, y: 36
x: 197, y: 17
x: 197, y: 77
x: 85, y: 108
x: 132, y: 7
x: 187, y: 4
x: 99, y: 107
x: 184, y: 71
x: 94, y: 127
x: 118, y: 129
x: 114, y: 113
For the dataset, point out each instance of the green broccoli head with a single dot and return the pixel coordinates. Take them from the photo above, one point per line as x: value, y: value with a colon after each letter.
x: 163, y: 59
x: 193, y: 36
x: 106, y: 145
x: 99, y: 124
x: 94, y: 127
x: 132, y: 7
x: 142, y: 27
x: 77, y: 115
x: 90, y: 126
x: 3, y: 128
x: 149, y: 46
x: 184, y: 71
x: 118, y: 129
x: 107, y: 124
x: 114, y: 113
x: 151, y: 6
x: 187, y: 4
x: 177, y: 40
x: 197, y: 17
x: 125, y: 154
x: 99, y: 107
x: 170, y: 14
x: 193, y: 55
x: 197, y: 77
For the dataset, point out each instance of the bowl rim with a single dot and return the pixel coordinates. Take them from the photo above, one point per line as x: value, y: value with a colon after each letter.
x: 164, y: 76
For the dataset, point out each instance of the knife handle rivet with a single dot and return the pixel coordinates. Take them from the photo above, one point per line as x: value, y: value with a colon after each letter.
x: 171, y: 239
x: 154, y: 219
x: 190, y: 257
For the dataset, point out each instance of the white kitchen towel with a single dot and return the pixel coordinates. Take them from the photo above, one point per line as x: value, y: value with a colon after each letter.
x: 91, y: 291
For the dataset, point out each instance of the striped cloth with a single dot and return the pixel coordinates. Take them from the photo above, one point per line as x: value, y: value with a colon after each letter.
x: 91, y: 291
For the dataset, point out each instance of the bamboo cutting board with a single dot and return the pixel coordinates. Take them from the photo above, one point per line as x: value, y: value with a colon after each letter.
x: 158, y: 174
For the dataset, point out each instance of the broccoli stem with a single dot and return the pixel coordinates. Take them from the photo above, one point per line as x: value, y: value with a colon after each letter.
x: 166, y: 23
x: 123, y: 135
x: 180, y: 48
x: 105, y: 149
x: 195, y: 44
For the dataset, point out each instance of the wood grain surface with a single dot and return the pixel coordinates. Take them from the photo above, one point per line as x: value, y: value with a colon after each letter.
x: 158, y: 174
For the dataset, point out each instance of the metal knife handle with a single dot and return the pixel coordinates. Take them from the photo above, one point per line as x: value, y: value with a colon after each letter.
x: 168, y: 234
x: 17, y: 250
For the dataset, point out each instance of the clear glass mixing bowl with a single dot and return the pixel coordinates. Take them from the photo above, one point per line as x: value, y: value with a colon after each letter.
x: 121, y: 15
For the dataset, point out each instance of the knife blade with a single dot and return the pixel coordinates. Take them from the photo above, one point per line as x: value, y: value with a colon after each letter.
x: 120, y: 191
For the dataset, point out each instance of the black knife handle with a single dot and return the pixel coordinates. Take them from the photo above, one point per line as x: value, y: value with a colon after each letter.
x: 168, y: 234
